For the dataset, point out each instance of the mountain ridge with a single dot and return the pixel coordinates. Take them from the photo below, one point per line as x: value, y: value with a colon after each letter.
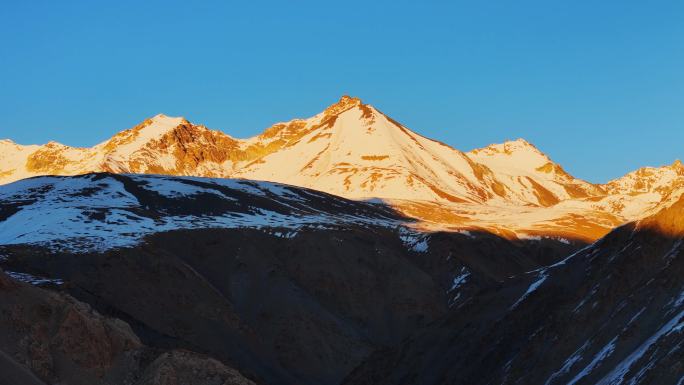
x: 352, y: 149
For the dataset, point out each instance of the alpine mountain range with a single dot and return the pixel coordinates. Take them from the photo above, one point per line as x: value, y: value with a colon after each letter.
x: 343, y: 248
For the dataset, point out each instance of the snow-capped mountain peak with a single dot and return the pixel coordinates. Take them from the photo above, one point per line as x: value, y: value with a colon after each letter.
x: 530, y: 173
x: 353, y: 150
x: 133, y: 139
x: 660, y: 180
x: 516, y: 154
x: 169, y: 145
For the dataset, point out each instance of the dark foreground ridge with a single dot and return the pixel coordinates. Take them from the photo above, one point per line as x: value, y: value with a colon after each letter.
x: 613, y: 313
x: 49, y: 336
x: 175, y: 275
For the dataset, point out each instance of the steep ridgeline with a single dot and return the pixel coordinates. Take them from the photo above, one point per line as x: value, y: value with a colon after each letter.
x: 353, y: 150
x: 612, y: 313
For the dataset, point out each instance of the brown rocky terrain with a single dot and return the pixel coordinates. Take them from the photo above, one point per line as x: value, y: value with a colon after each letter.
x: 49, y: 337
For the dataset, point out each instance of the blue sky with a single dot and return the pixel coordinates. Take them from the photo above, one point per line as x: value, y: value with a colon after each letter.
x: 598, y: 85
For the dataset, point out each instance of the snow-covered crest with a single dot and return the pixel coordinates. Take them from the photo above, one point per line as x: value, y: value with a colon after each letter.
x: 97, y: 212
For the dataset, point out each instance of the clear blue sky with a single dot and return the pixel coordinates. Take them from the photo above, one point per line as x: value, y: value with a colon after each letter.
x: 598, y: 85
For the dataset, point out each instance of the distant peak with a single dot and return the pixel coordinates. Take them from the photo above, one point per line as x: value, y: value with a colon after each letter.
x: 150, y: 129
x: 163, y: 117
x: 346, y: 99
x: 520, y: 143
x: 509, y: 147
x: 160, y: 123
x: 346, y: 102
x: 53, y: 143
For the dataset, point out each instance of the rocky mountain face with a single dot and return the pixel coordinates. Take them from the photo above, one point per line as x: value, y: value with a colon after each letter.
x: 353, y: 150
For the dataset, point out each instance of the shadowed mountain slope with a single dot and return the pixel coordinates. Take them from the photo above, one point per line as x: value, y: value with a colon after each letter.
x: 612, y: 313
x: 287, y: 285
x: 48, y: 337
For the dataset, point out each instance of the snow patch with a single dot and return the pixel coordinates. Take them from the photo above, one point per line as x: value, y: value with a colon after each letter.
x: 459, y: 279
x: 616, y: 376
x: 534, y: 286
x: 604, y: 353
x: 568, y: 364
x: 34, y: 280
x: 414, y: 241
